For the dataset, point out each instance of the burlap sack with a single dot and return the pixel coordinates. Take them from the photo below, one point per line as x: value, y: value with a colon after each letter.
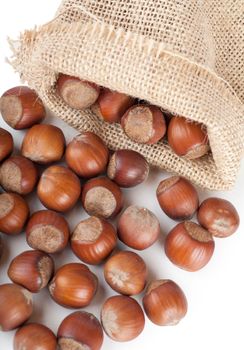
x: 185, y: 56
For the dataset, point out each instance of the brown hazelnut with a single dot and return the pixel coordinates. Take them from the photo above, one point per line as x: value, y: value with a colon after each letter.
x: 187, y: 138
x: 165, y: 303
x: 31, y: 269
x: 6, y: 144
x: 21, y: 107
x: 80, y: 330
x: 138, y: 227
x: 87, y: 155
x: 14, y: 212
x: 59, y: 188
x: 112, y: 105
x: 126, y: 273
x: 178, y: 198
x: 34, y: 336
x: 102, y: 197
x: 47, y: 231
x: 43, y: 144
x: 18, y: 174
x: 77, y: 93
x: 73, y: 286
x: 219, y: 217
x: 144, y: 124
x: 93, y: 240
x: 16, y: 306
x: 122, y: 318
x: 128, y: 168
x: 189, y: 246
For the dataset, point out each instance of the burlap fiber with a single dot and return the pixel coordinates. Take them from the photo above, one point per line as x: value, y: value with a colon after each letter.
x: 185, y: 56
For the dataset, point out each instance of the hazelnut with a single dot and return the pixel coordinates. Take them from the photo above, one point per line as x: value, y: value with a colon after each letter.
x: 87, y: 155
x: 112, y: 105
x: 73, y: 286
x: 126, y: 273
x: 21, y: 108
x: 31, y: 269
x: 102, y: 197
x: 219, y: 217
x: 189, y: 246
x: 14, y: 212
x: 122, y: 318
x: 93, y: 240
x: 187, y: 138
x: 59, y: 188
x: 128, y: 168
x: 80, y: 330
x: 165, y: 303
x: 34, y: 336
x: 138, y: 227
x: 43, y: 144
x: 178, y: 198
x: 18, y: 174
x: 47, y: 231
x: 144, y: 124
x: 16, y: 306
x: 77, y: 93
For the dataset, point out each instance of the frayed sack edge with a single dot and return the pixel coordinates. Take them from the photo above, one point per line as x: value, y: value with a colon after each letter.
x: 207, y: 172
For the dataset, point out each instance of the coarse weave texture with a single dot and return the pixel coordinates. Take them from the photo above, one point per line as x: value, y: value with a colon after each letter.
x: 184, y: 56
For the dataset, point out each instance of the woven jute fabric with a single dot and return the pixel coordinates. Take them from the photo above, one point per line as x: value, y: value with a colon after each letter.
x: 184, y: 56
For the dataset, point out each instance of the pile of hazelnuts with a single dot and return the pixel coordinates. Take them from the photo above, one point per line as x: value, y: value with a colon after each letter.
x: 188, y: 245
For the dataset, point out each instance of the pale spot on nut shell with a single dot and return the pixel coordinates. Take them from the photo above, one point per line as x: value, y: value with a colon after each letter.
x: 99, y: 201
x: 71, y: 344
x: 109, y: 321
x: 118, y: 277
x: 27, y: 295
x: 222, y: 226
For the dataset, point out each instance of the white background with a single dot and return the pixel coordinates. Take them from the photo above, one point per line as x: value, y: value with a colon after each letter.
x: 215, y: 294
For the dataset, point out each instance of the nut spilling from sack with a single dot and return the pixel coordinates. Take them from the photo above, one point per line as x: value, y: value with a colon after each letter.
x: 141, y: 122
